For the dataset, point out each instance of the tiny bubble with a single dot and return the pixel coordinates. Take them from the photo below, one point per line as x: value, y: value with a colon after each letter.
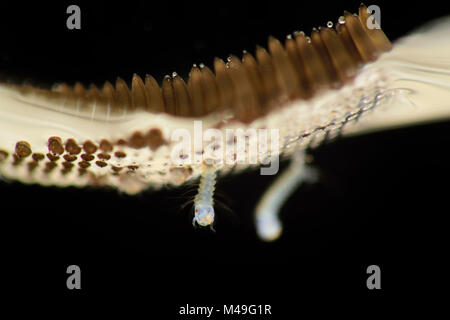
x: 330, y: 24
x: 201, y: 65
x: 174, y: 74
x: 341, y: 20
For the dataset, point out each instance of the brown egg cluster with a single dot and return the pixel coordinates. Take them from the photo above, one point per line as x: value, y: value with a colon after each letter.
x: 251, y: 86
x: 70, y: 155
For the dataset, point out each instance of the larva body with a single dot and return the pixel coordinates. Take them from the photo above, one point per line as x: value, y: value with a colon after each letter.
x: 204, y: 200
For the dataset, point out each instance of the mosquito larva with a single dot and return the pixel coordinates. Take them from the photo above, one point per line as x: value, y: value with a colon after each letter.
x: 268, y: 224
x: 204, y: 200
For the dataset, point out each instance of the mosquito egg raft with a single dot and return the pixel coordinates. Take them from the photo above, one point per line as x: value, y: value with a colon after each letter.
x: 309, y: 89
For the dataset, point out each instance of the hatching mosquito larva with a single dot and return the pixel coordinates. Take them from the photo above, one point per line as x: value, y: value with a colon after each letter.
x: 266, y: 212
x: 204, y: 200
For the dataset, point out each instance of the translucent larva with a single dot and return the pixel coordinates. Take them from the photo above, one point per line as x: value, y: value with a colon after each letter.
x: 268, y: 225
x: 204, y: 200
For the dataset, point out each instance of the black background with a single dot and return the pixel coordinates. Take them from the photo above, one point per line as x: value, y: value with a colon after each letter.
x: 381, y: 198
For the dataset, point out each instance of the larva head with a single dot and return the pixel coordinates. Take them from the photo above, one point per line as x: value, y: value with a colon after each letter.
x: 204, y: 215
